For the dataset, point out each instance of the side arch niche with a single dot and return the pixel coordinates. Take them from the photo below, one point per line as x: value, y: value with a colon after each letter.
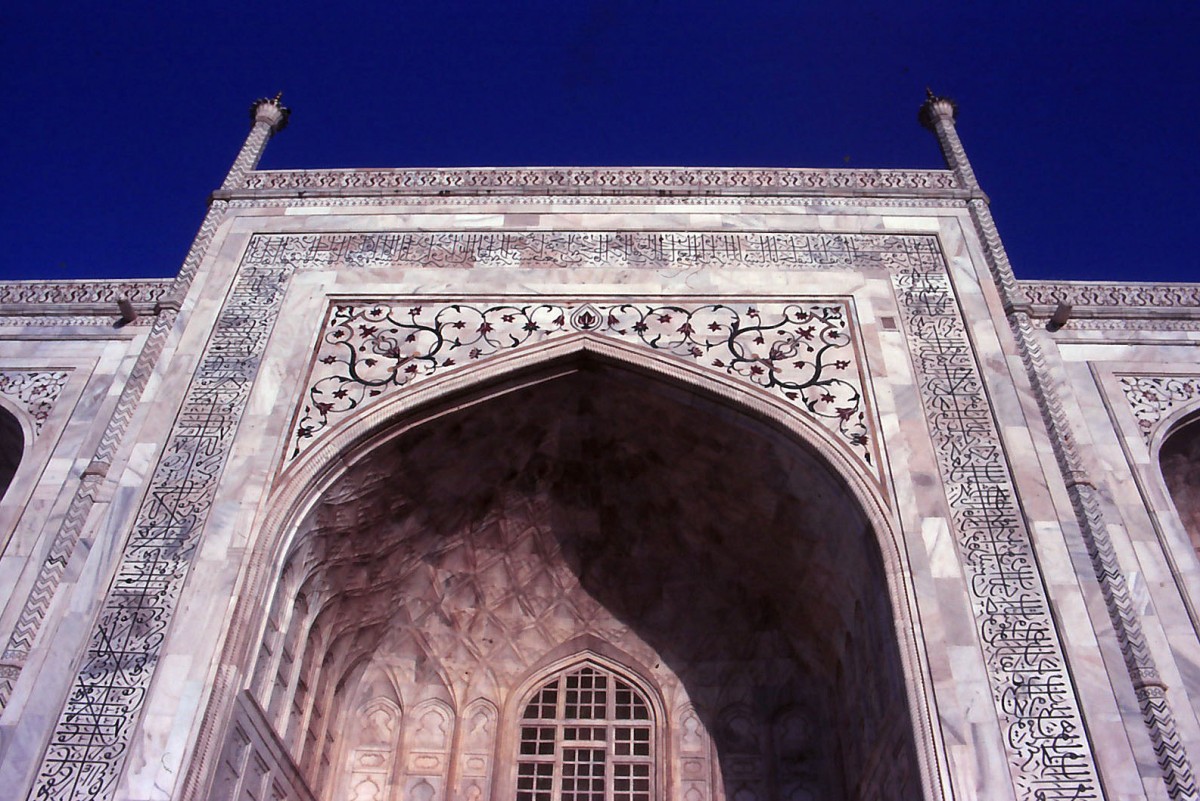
x: 469, y: 543
x: 1179, y: 460
x: 12, y: 447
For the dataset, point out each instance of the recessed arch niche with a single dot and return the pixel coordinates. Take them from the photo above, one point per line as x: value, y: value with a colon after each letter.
x: 12, y: 447
x: 724, y: 557
x: 1179, y: 460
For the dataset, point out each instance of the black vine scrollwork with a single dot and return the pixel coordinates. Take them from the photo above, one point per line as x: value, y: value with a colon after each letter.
x: 803, y: 352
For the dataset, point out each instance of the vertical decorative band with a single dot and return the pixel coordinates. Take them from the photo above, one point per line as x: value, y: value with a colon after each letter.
x: 938, y: 115
x: 62, y: 547
x: 1049, y: 754
x: 90, y: 741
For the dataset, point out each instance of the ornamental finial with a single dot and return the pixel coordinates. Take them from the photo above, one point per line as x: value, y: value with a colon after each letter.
x: 271, y: 111
x: 935, y: 108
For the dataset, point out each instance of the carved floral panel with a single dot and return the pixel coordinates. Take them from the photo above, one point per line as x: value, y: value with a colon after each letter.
x: 1151, y: 398
x: 803, y: 352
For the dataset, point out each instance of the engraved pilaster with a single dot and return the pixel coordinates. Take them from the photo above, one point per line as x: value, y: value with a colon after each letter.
x: 268, y: 116
x: 90, y: 741
x: 938, y: 115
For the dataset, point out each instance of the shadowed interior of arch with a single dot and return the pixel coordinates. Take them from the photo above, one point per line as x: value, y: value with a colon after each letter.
x: 12, y: 447
x: 721, y: 555
x: 1179, y: 459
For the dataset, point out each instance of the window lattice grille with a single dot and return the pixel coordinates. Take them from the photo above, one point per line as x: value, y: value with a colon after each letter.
x: 586, y: 735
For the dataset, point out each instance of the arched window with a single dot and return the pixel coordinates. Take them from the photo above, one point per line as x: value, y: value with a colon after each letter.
x: 586, y: 735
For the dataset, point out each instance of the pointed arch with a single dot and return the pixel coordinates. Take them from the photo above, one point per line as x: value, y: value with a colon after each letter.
x: 372, y: 748
x: 305, y: 482
x: 429, y: 736
x: 477, y: 747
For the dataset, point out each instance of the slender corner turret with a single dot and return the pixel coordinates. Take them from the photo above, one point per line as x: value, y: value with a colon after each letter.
x: 938, y: 115
x: 268, y: 116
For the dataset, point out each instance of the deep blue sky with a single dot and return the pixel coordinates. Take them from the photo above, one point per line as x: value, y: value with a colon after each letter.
x: 1081, y: 119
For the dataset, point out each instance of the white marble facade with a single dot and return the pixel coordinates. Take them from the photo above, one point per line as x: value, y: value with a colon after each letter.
x: 599, y: 484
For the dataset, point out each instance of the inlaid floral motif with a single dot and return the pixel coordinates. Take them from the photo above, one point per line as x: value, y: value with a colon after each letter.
x: 801, y: 351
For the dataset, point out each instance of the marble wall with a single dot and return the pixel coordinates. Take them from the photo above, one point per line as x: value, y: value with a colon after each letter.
x: 392, y: 452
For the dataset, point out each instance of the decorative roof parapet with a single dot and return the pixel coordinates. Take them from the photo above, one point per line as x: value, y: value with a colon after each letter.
x: 78, y: 297
x: 602, y: 180
x: 1117, y: 297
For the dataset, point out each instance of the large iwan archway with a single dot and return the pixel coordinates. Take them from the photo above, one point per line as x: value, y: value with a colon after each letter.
x: 599, y: 586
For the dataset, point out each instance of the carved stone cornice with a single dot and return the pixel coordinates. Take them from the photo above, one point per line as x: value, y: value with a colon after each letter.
x: 77, y: 299
x: 596, y: 180
x: 1082, y: 294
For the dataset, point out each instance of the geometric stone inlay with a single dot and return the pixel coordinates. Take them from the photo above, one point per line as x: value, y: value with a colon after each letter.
x: 803, y: 352
x: 1151, y: 398
x: 1049, y: 754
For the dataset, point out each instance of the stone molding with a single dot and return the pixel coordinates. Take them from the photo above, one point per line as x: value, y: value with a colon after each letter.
x: 1158, y: 324
x: 80, y: 303
x: 75, y: 294
x: 580, y: 249
x: 108, y: 321
x: 1084, y: 295
x: 509, y: 200
x: 624, y: 180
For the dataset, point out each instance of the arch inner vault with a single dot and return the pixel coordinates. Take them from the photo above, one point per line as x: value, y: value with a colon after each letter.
x: 599, y: 586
